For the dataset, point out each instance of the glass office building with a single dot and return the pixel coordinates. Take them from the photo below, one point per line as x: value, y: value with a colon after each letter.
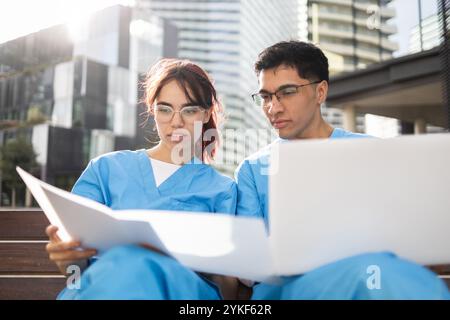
x: 74, y: 92
x: 225, y: 37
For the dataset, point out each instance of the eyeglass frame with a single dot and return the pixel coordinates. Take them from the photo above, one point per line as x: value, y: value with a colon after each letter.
x: 296, y: 86
x: 179, y: 111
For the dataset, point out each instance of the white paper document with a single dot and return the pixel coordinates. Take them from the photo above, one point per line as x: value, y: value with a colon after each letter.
x: 329, y: 200
x: 212, y: 243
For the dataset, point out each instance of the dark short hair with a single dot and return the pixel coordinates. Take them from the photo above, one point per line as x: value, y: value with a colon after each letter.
x: 310, y: 62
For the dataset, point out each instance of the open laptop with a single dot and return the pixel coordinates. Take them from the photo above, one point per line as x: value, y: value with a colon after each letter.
x: 330, y: 199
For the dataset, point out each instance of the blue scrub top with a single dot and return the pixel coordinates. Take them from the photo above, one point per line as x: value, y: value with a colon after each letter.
x: 125, y: 180
x: 251, y: 178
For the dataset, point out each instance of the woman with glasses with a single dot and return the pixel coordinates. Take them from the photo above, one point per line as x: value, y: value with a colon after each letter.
x: 173, y: 175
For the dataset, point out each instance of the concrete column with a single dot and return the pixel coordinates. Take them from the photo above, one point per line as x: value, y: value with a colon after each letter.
x: 349, y: 118
x: 315, y: 23
x: 420, y: 126
x: 28, y: 198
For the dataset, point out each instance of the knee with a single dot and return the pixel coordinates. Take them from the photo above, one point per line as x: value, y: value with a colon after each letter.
x: 369, y: 276
x: 390, y: 276
x: 386, y: 264
x: 366, y: 270
x: 134, y: 256
x: 381, y: 265
x: 124, y: 251
x: 370, y: 263
x: 356, y: 266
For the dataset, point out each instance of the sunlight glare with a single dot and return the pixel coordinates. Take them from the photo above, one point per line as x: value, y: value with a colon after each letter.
x: 21, y: 17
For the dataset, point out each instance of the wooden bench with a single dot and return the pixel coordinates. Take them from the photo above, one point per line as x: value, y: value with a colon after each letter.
x: 25, y: 270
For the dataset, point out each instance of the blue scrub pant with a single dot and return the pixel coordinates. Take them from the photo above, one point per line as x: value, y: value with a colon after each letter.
x: 132, y: 272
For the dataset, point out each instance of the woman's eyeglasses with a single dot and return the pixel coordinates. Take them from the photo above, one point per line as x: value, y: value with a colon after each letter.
x: 189, y: 114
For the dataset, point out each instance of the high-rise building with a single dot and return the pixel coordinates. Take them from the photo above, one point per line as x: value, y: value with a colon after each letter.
x: 73, y: 90
x: 225, y: 37
x: 358, y: 30
x: 427, y: 35
x: 353, y: 34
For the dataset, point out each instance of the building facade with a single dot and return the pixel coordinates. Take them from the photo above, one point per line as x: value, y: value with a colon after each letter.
x: 225, y: 37
x: 358, y: 30
x: 426, y: 36
x: 353, y: 34
x: 73, y: 91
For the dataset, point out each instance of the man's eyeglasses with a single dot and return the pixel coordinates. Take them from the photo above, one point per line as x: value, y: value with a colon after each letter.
x: 189, y: 114
x: 264, y: 98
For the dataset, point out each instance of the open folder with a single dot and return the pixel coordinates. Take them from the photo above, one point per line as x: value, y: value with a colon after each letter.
x: 212, y: 243
x: 328, y: 200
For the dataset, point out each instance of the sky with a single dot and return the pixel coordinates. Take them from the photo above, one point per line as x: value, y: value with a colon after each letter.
x: 20, y: 17
x: 407, y: 18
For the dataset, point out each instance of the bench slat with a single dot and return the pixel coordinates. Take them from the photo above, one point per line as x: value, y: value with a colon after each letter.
x: 30, y: 288
x: 39, y: 288
x: 25, y: 258
x: 441, y: 269
x: 447, y: 281
x: 20, y: 261
x: 23, y: 225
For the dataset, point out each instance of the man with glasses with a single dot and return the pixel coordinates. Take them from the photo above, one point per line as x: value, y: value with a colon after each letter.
x: 293, y: 84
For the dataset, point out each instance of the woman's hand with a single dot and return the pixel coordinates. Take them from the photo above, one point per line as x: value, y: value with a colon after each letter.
x: 66, y: 253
